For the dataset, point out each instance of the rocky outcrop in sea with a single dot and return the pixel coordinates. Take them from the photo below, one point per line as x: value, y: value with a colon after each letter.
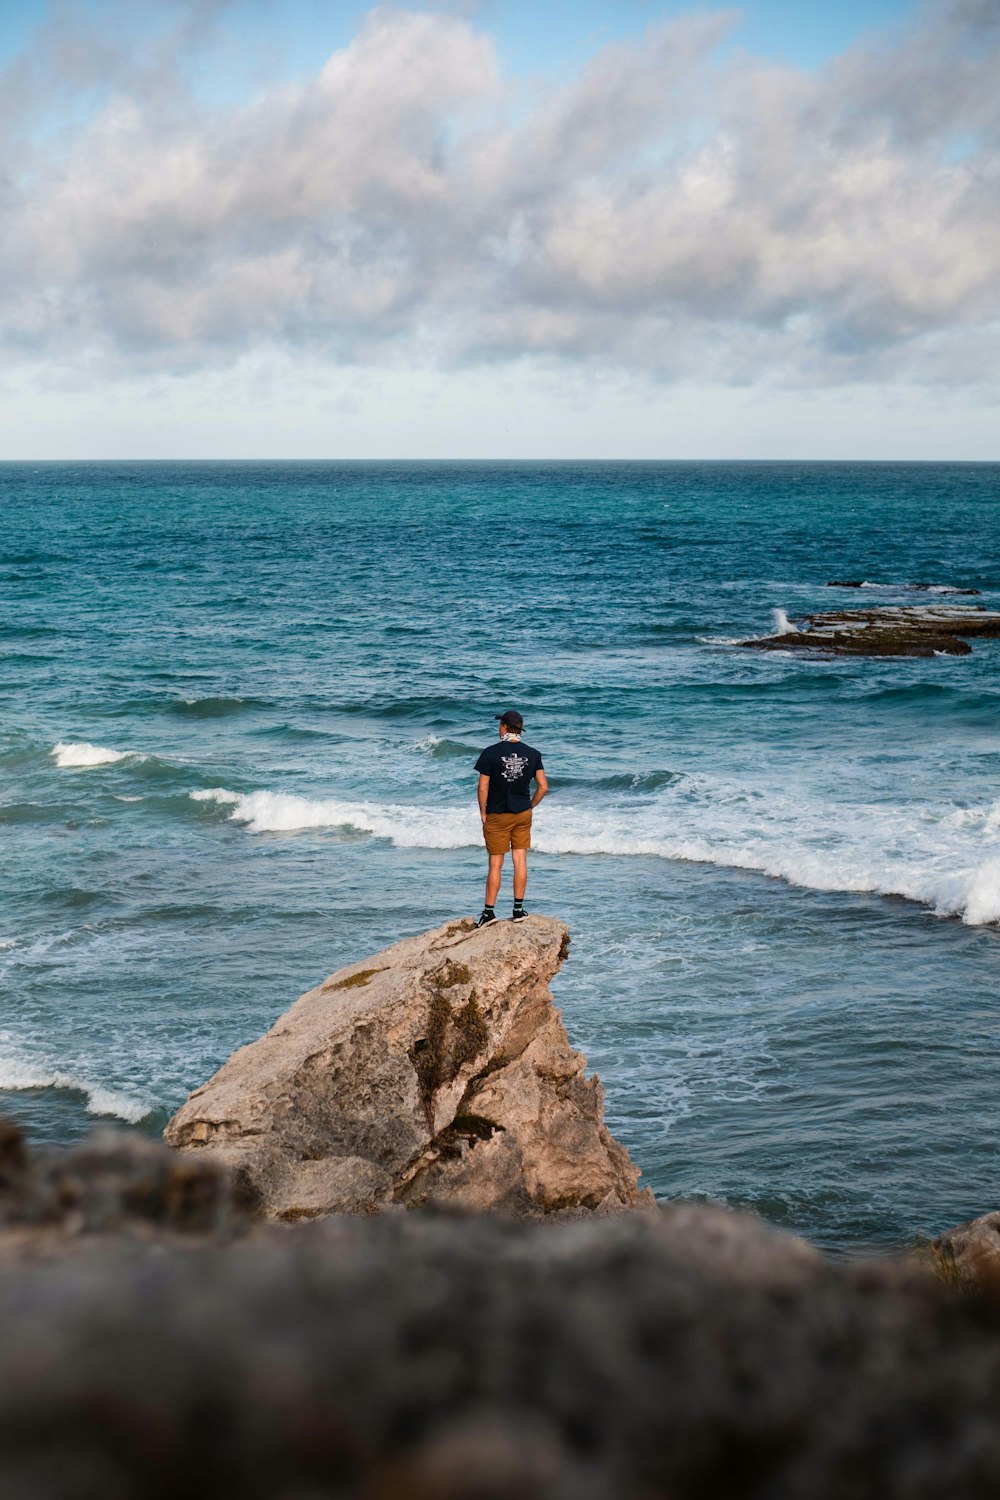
x: 436, y: 1072
x: 904, y: 630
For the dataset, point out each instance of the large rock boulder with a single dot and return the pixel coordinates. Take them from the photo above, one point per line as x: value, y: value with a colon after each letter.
x: 436, y: 1072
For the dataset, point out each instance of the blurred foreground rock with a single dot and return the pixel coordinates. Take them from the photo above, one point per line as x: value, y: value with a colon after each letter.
x: 687, y: 1353
x: 114, y: 1182
x: 436, y: 1072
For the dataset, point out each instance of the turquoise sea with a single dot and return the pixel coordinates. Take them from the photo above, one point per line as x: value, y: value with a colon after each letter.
x: 239, y: 710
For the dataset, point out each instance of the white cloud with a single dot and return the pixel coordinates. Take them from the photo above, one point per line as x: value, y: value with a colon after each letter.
x: 663, y: 214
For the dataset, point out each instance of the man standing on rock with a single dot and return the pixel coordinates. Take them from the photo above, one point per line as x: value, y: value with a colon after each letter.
x: 506, y: 771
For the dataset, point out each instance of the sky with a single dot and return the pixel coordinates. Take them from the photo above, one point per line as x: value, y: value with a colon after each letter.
x: 494, y: 228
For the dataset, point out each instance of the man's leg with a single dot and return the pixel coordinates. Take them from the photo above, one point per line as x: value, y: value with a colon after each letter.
x: 520, y: 858
x: 493, y: 878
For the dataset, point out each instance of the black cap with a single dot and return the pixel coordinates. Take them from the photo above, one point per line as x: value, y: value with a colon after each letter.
x: 512, y: 719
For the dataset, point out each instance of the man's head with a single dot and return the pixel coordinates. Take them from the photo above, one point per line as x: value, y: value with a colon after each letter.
x: 510, y: 722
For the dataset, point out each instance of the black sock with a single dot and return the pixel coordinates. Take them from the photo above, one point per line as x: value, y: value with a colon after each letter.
x: 518, y: 903
x: 490, y: 910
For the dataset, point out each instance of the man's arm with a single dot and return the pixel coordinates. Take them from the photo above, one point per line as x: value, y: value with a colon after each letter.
x: 484, y: 786
x: 541, y: 786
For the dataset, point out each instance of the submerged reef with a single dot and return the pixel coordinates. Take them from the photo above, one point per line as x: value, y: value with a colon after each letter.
x: 916, y: 588
x: 916, y: 630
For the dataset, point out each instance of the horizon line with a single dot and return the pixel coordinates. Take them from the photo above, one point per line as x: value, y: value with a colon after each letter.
x: 444, y: 459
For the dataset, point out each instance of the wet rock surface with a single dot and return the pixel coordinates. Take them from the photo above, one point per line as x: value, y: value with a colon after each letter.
x: 968, y: 1256
x: 916, y: 588
x: 684, y: 1353
x: 437, y: 1071
x: 918, y: 630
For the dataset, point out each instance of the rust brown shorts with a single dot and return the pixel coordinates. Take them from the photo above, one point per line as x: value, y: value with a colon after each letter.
x: 503, y: 831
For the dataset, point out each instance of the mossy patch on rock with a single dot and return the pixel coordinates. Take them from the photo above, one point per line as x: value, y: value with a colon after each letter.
x: 355, y: 981
x: 455, y: 1035
x: 475, y: 1127
x: 463, y: 925
x: 450, y: 975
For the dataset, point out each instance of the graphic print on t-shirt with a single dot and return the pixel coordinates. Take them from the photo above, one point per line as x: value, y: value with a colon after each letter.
x: 514, y: 766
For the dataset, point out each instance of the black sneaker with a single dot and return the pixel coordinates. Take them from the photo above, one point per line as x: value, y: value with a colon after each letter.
x: 485, y: 918
x: 519, y: 914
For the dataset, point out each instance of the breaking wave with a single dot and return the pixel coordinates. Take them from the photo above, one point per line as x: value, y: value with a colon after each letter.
x: 406, y: 826
x: 76, y: 755
x: 945, y: 858
x: 444, y: 749
x: 18, y: 1074
x: 621, y: 781
x: 214, y: 708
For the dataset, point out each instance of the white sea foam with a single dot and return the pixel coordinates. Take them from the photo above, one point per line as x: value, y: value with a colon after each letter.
x: 75, y: 756
x: 18, y: 1073
x: 987, y: 818
x: 26, y: 954
x: 782, y: 624
x: 945, y: 858
x: 406, y: 826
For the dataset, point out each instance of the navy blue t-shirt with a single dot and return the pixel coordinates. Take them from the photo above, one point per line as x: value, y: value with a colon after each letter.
x: 510, y: 765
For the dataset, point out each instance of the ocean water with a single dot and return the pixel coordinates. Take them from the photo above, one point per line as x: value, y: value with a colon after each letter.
x: 239, y: 709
